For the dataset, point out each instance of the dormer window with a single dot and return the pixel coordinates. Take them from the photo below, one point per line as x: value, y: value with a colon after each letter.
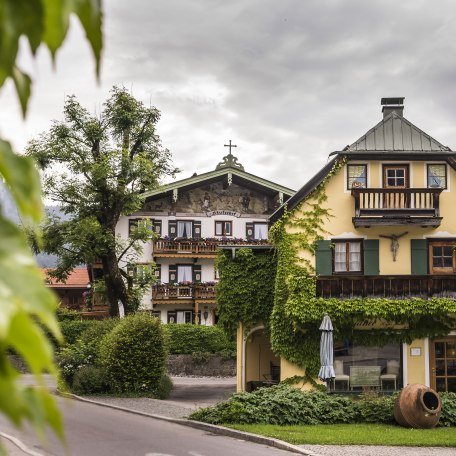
x: 356, y: 176
x: 436, y: 176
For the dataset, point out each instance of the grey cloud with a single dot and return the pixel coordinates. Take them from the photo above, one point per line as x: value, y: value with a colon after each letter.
x: 289, y: 81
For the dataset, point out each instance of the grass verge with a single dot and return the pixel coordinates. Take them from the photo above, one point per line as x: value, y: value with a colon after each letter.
x: 354, y: 434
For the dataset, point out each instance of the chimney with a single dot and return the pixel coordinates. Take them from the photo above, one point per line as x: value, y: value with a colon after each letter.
x: 393, y: 104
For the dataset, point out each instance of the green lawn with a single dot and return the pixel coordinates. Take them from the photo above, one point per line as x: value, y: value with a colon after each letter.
x: 354, y: 434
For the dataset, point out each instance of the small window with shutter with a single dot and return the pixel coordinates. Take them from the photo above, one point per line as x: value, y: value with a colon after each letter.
x: 172, y: 229
x: 442, y: 257
x: 347, y: 256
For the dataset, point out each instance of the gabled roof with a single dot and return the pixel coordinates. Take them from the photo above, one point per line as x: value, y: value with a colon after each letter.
x: 229, y: 167
x: 396, y: 133
x: 394, y: 137
x: 78, y: 278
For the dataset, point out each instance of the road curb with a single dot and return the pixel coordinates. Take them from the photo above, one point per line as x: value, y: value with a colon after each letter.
x: 214, y: 429
x: 21, y: 445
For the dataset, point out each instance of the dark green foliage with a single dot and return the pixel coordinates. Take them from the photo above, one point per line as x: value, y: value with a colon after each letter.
x: 285, y: 405
x: 448, y: 417
x: 164, y: 387
x: 97, y: 329
x: 90, y: 380
x: 73, y: 329
x: 245, y: 292
x: 188, y: 339
x: 134, y: 354
x: 67, y: 314
x: 72, y: 358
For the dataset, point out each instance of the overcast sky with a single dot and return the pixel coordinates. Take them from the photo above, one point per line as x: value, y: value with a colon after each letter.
x: 289, y: 81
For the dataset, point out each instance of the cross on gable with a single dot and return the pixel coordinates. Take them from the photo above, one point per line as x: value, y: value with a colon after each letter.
x: 230, y: 146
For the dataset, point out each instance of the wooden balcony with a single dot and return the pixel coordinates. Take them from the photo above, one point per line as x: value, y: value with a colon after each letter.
x: 202, y: 248
x: 185, y: 247
x: 395, y: 287
x: 176, y: 293
x: 403, y: 206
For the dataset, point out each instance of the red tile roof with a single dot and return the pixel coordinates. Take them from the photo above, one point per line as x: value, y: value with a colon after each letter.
x: 79, y: 278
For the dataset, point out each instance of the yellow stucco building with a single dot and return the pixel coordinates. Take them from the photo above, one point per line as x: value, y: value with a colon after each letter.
x: 391, y: 234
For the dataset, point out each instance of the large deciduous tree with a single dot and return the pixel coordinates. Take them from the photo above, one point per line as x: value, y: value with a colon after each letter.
x: 95, y: 167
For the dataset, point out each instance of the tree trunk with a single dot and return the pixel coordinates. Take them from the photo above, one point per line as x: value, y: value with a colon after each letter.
x: 116, y: 289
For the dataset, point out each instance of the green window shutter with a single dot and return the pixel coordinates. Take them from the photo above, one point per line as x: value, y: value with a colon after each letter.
x: 323, y: 258
x: 172, y: 229
x: 172, y: 273
x: 371, y: 257
x: 249, y: 231
x: 197, y: 273
x: 419, y: 256
x: 196, y: 231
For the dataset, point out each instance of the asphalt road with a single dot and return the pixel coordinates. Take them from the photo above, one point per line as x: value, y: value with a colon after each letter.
x: 100, y: 431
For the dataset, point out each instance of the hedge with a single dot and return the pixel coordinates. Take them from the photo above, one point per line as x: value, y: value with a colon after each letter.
x: 286, y: 405
x: 73, y: 329
x: 189, y: 339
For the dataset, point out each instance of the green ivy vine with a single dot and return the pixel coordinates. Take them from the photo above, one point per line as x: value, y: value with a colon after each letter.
x: 245, y: 292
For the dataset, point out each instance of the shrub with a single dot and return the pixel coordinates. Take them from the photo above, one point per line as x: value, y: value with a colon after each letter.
x: 164, y: 387
x: 94, y: 333
x: 64, y: 314
x: 72, y: 358
x: 285, y: 405
x: 90, y: 380
x: 188, y: 339
x: 134, y: 354
x: 448, y: 417
x: 73, y: 329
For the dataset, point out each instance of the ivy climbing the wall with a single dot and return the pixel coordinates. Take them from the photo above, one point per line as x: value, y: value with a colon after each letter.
x: 245, y: 292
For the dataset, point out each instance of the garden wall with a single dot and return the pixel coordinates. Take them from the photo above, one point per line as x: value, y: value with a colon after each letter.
x: 202, y: 365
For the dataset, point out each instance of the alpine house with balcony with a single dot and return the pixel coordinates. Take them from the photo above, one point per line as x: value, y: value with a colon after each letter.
x: 382, y: 265
x: 193, y: 218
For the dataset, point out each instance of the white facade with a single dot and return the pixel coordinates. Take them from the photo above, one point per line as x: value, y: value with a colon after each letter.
x: 191, y: 218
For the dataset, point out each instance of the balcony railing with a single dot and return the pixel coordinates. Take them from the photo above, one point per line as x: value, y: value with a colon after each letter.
x: 386, y: 206
x: 167, y: 291
x: 198, y: 246
x: 185, y: 246
x: 396, y: 287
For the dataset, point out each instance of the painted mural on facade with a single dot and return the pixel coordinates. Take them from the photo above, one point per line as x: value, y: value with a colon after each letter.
x: 217, y: 196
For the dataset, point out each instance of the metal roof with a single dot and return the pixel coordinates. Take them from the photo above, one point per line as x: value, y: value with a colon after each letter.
x: 395, y: 133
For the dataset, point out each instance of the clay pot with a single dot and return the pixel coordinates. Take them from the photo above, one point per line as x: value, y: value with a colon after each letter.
x: 417, y: 406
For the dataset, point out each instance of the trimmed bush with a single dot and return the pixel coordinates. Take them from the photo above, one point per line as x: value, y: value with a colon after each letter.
x: 90, y: 380
x: 134, y: 354
x: 73, y: 329
x: 164, y: 387
x: 64, y: 314
x: 189, y: 339
x: 285, y: 405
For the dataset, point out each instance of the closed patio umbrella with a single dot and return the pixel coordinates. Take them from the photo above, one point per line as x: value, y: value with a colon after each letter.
x: 326, y: 372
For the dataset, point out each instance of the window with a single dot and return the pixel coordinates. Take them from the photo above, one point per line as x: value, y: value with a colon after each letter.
x: 184, y: 273
x: 358, y: 367
x: 142, y: 223
x: 442, y: 257
x: 260, y: 231
x: 395, y: 176
x: 184, y: 229
x: 356, y: 176
x: 347, y: 256
x: 436, y: 176
x: 223, y: 228
x: 172, y: 316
